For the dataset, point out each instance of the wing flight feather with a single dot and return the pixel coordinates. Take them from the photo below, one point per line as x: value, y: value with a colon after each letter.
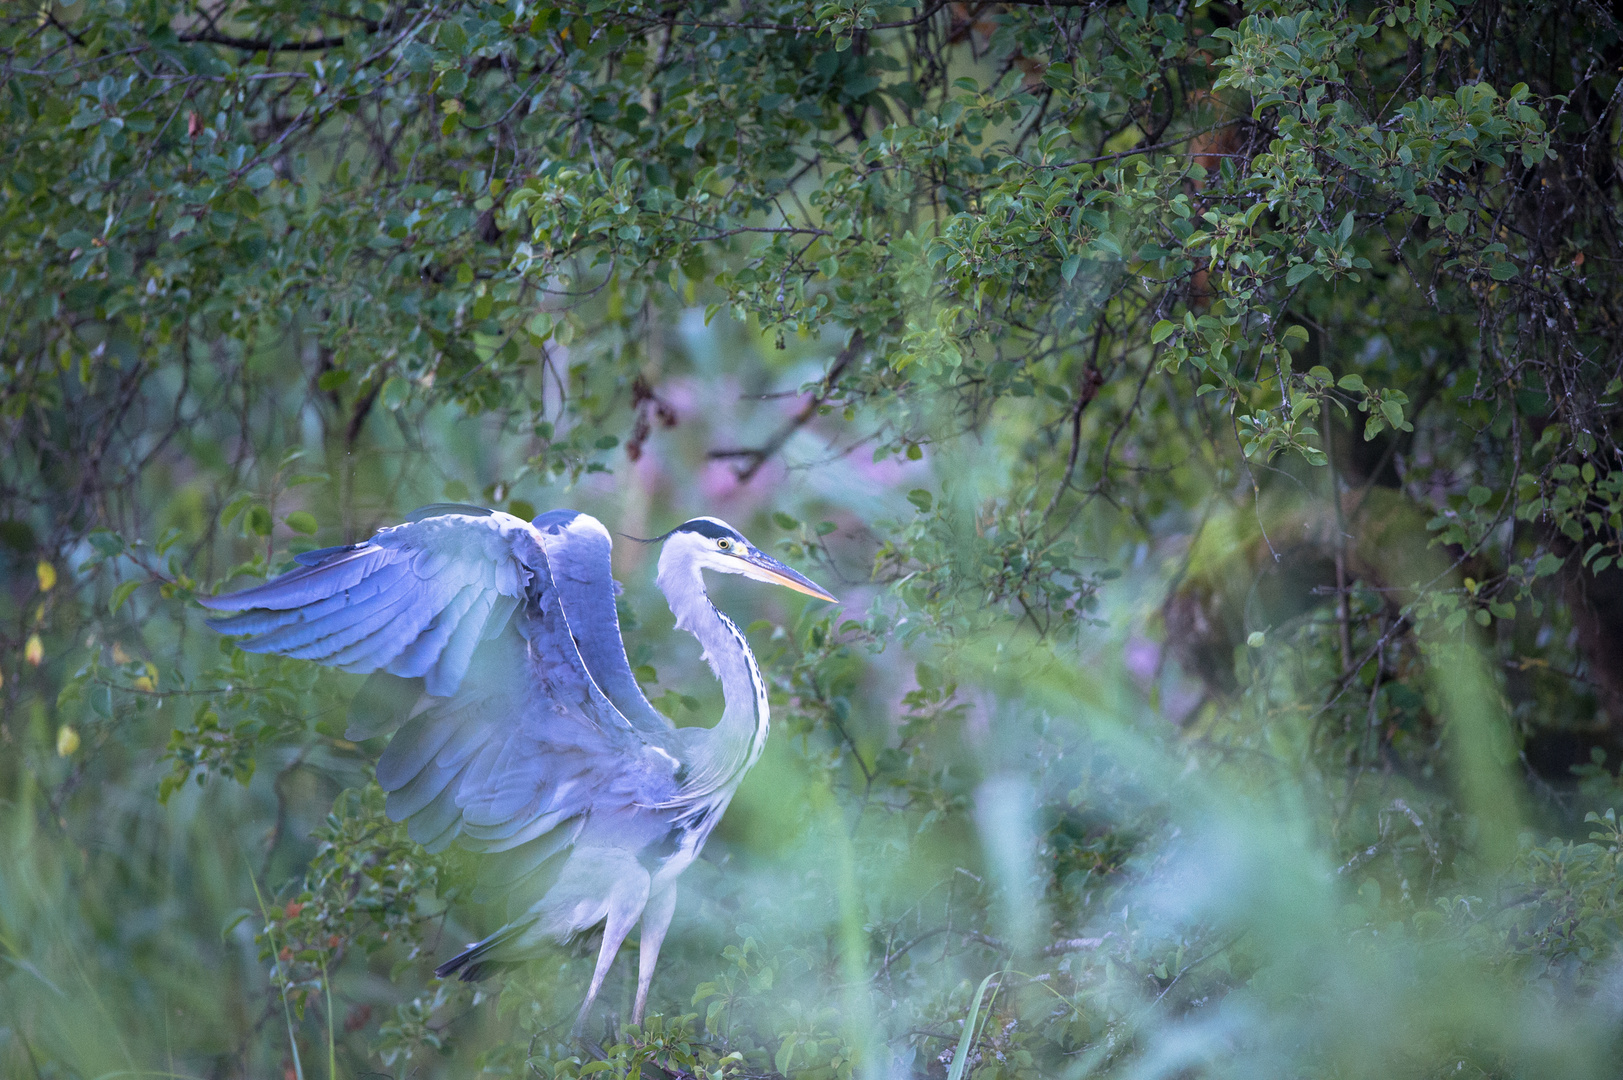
x: 578, y: 550
x: 416, y: 599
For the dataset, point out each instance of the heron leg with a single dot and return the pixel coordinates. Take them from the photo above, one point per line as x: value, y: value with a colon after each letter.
x: 615, y: 929
x: 656, y: 919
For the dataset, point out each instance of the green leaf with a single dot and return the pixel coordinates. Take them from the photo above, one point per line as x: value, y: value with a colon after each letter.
x: 1265, y: 103
x: 232, y: 509
x: 1107, y: 244
x: 1352, y: 383
x: 785, y: 1053
x: 395, y: 392
x: 452, y: 38
x: 921, y: 499
x: 121, y: 594
x: 258, y: 520
x: 1162, y: 330
x: 1298, y: 274
x: 301, y: 521
x: 109, y: 544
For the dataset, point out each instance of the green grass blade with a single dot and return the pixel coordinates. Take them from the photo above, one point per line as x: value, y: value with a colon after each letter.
x: 971, y: 1022
x: 287, y: 1012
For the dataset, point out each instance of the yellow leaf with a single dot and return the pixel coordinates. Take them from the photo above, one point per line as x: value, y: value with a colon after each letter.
x: 47, y: 576
x: 144, y: 683
x: 119, y: 655
x: 67, y: 741
x: 34, y: 651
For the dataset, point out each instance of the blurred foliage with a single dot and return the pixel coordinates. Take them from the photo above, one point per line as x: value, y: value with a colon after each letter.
x: 1208, y: 413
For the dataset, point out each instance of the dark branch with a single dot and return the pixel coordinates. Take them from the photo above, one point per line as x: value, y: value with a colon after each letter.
x: 759, y: 456
x: 210, y: 37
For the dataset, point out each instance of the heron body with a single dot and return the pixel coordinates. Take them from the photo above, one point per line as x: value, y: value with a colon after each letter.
x: 522, y: 732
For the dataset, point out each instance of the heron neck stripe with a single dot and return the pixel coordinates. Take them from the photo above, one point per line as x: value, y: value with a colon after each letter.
x: 757, y: 684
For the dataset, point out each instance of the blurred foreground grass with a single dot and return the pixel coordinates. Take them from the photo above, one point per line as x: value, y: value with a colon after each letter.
x: 1157, y: 905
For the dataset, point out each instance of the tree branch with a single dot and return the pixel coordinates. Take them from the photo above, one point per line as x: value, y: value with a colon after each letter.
x: 210, y: 37
x: 758, y: 456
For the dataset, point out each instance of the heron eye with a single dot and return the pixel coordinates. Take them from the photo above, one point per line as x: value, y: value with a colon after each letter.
x: 724, y: 543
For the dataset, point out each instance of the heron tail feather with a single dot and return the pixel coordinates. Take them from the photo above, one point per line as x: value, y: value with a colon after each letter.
x: 477, y: 962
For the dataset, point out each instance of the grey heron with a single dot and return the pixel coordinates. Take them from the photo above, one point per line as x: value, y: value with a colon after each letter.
x: 524, y: 733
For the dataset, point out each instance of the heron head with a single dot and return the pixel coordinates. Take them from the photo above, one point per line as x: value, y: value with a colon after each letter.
x: 707, y: 543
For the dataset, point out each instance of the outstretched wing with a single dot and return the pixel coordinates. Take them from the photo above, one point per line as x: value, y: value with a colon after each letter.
x: 514, y: 745
x: 415, y: 600
x: 520, y: 757
x: 578, y: 549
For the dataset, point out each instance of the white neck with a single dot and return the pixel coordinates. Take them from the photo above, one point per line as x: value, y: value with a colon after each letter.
x: 736, y: 741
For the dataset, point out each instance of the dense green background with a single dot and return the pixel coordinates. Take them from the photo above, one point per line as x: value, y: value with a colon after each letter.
x: 1208, y: 416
